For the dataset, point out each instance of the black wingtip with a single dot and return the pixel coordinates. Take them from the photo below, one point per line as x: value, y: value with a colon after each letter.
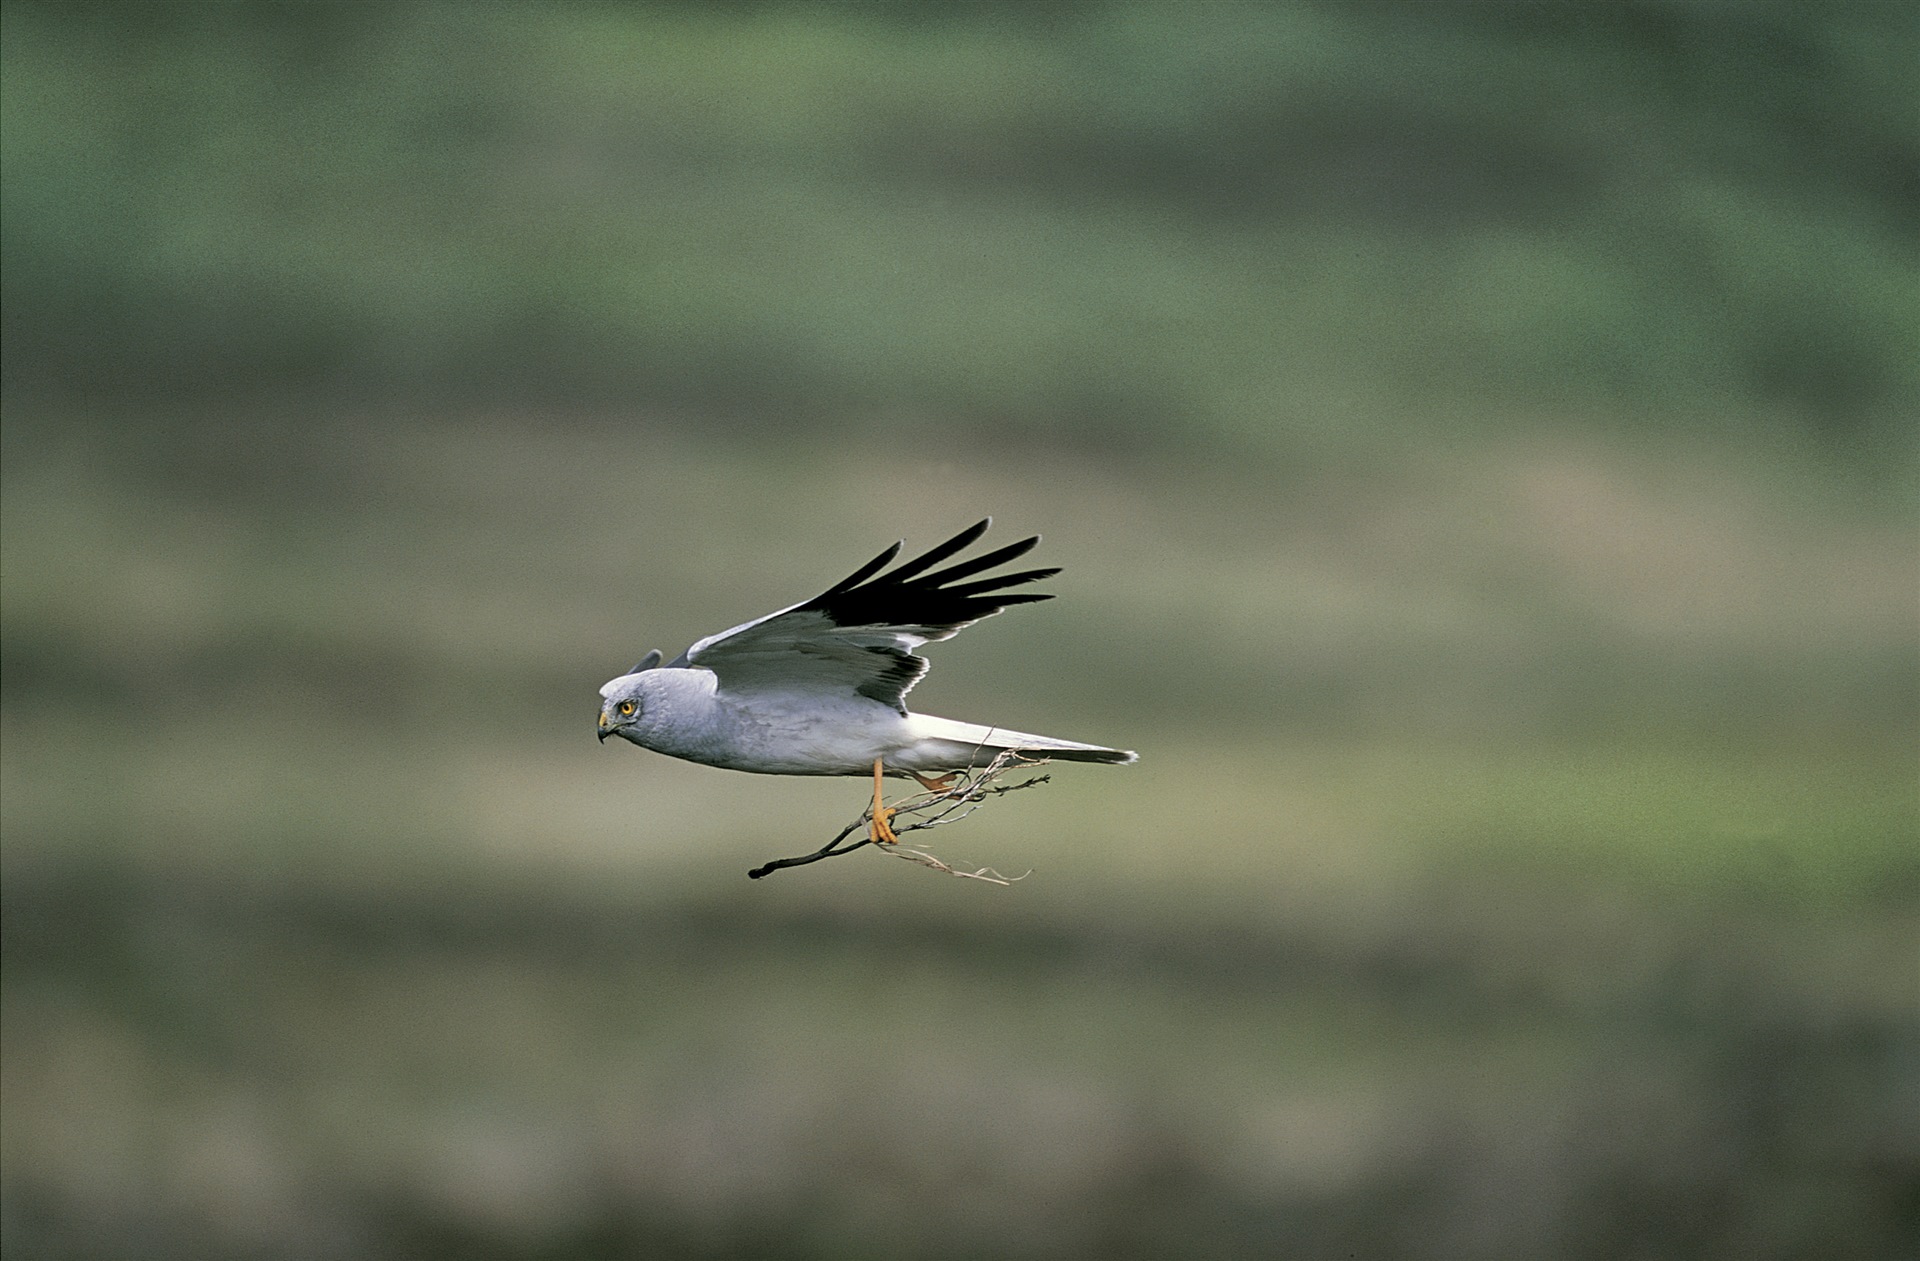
x: 987, y: 560
x: 934, y: 555
x: 999, y: 581
x: 867, y: 570
x: 920, y: 592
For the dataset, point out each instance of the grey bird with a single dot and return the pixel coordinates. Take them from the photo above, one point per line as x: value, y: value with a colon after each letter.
x: 820, y: 688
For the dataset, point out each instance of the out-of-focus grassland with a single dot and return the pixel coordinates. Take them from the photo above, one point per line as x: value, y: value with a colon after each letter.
x: 328, y: 920
x: 1479, y: 441
x: 1562, y: 638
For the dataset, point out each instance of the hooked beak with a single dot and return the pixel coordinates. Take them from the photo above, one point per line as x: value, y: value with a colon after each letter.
x: 605, y: 730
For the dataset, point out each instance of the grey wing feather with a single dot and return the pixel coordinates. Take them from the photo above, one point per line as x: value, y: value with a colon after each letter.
x: 859, y: 635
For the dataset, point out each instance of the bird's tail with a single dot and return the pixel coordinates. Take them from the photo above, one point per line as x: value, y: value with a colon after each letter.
x: 958, y: 744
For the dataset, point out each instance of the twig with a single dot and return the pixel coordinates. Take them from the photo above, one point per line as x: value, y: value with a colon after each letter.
x: 931, y: 809
x: 825, y: 851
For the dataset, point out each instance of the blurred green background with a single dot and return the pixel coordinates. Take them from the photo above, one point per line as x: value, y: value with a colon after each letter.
x: 1480, y: 438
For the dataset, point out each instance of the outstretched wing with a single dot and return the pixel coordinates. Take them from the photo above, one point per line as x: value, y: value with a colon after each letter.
x: 858, y: 636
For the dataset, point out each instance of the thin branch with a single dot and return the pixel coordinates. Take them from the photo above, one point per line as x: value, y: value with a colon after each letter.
x: 931, y: 809
x: 825, y: 851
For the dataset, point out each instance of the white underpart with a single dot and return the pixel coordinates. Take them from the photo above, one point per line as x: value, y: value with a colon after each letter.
x: 803, y: 730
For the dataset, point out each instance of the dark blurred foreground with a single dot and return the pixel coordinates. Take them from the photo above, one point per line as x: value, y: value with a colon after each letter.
x: 277, y: 1073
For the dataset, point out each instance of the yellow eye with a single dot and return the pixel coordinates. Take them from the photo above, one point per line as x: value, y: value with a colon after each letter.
x: 626, y: 709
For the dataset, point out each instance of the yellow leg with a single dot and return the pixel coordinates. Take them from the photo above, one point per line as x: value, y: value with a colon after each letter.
x: 879, y: 831
x: 938, y: 784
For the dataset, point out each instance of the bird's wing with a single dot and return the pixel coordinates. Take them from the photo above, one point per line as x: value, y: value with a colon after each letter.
x: 858, y: 636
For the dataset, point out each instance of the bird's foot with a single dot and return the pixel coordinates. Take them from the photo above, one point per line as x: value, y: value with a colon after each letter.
x: 879, y: 826
x: 938, y: 783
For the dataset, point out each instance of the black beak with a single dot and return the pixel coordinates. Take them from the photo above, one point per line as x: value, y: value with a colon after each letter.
x: 602, y: 734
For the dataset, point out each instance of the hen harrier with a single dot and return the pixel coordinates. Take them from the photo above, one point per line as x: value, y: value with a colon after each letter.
x: 820, y: 688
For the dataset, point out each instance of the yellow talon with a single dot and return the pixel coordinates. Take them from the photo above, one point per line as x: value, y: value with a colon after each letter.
x: 879, y: 829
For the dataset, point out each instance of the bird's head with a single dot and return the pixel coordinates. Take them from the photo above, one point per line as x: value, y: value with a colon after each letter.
x: 622, y: 703
x: 622, y: 700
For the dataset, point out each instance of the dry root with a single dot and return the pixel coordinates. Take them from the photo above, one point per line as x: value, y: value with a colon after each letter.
x: 932, y: 809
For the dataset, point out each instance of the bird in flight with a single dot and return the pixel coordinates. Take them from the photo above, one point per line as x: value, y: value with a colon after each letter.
x: 820, y: 688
